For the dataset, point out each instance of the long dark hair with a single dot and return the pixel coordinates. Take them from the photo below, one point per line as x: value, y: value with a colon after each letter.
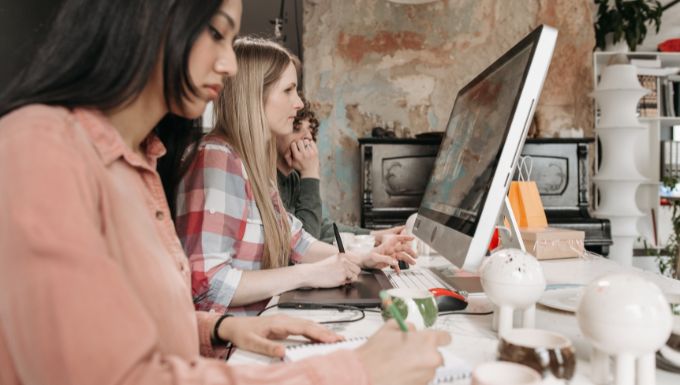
x: 101, y: 53
x: 177, y: 134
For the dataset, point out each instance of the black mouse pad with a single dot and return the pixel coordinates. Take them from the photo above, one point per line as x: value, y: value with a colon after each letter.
x: 365, y: 292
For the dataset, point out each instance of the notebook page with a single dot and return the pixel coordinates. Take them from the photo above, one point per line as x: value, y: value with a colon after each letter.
x: 454, y: 367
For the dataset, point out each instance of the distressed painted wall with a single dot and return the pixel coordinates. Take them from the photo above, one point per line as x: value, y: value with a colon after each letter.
x: 375, y: 63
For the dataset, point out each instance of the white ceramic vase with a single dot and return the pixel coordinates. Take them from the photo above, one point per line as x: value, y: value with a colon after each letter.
x: 512, y: 280
x: 626, y: 317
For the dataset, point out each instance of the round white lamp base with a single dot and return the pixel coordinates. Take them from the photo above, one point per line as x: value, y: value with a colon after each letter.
x: 513, y: 280
x: 628, y: 318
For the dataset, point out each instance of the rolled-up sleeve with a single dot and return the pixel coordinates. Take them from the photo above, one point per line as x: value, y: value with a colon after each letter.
x: 300, y: 239
x: 211, y: 224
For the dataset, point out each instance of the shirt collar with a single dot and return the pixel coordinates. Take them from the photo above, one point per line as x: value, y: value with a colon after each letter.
x: 109, y: 144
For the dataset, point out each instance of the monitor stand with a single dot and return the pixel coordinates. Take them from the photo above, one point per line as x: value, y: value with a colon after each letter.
x: 458, y: 279
x: 510, y: 237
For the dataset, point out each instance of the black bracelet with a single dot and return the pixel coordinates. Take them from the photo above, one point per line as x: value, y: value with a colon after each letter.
x: 216, y: 339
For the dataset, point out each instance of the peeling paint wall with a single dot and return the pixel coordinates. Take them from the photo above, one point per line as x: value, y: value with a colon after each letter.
x: 376, y: 63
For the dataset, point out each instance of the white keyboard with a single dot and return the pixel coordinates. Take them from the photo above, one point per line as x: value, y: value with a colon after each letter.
x: 413, y: 279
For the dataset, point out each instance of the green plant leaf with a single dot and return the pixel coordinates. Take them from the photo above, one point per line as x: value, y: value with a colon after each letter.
x: 626, y: 20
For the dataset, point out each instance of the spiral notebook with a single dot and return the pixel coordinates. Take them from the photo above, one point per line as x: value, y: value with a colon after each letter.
x: 454, y: 367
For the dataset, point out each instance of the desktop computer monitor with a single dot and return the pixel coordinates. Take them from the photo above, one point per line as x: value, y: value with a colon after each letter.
x: 478, y: 154
x: 475, y: 163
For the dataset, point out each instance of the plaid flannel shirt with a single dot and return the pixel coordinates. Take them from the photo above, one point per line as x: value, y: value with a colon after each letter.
x: 220, y: 227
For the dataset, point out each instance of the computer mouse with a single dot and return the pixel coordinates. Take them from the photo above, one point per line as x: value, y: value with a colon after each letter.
x: 403, y: 265
x: 448, y: 300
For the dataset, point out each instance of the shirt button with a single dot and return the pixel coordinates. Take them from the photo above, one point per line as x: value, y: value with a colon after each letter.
x: 159, y: 215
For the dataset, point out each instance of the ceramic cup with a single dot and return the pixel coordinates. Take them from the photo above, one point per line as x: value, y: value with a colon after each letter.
x: 417, y: 306
x: 504, y: 373
x: 671, y: 350
x: 544, y: 351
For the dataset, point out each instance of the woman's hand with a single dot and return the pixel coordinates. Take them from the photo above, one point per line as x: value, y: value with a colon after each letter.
x: 393, y: 249
x: 304, y: 157
x: 333, y: 271
x: 380, y: 234
x: 393, y: 357
x: 256, y: 334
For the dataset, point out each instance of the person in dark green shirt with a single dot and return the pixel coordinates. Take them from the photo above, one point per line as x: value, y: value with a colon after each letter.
x: 298, y: 179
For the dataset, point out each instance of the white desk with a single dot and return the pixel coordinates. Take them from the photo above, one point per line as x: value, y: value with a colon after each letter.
x: 473, y: 339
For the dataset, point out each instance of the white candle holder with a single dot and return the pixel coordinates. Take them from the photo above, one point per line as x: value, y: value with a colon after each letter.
x: 512, y: 280
x: 626, y: 317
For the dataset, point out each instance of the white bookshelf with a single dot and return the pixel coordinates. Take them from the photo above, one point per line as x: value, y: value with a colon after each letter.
x: 648, y: 152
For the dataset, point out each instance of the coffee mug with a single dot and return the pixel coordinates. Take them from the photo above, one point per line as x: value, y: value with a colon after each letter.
x: 544, y: 351
x: 504, y: 373
x: 671, y: 350
x: 416, y: 306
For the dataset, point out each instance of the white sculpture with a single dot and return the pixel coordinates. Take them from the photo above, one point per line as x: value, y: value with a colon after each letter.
x: 618, y: 178
x: 513, y: 280
x: 625, y: 316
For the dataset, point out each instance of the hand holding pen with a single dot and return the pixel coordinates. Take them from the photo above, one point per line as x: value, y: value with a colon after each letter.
x: 341, y: 249
x: 416, y: 353
x: 338, y: 239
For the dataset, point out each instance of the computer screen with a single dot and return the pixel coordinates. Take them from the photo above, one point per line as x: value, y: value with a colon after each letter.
x: 477, y: 157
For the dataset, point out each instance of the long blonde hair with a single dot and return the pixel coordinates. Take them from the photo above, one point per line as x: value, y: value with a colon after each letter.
x: 241, y: 120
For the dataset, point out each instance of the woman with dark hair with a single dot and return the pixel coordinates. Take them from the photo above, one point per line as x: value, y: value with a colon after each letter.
x: 94, y: 285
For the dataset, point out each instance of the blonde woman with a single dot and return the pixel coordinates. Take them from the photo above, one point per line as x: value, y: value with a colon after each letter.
x: 242, y: 245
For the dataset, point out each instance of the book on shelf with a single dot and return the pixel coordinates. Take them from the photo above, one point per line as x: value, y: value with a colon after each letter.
x: 671, y: 95
x: 668, y: 98
x: 648, y: 107
x: 665, y: 71
x: 651, y: 65
x: 646, y: 61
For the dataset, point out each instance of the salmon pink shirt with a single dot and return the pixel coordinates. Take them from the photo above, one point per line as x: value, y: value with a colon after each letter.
x: 94, y: 284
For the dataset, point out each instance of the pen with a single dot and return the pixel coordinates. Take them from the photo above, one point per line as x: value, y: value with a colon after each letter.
x: 392, y: 308
x: 341, y: 248
x: 338, y: 240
